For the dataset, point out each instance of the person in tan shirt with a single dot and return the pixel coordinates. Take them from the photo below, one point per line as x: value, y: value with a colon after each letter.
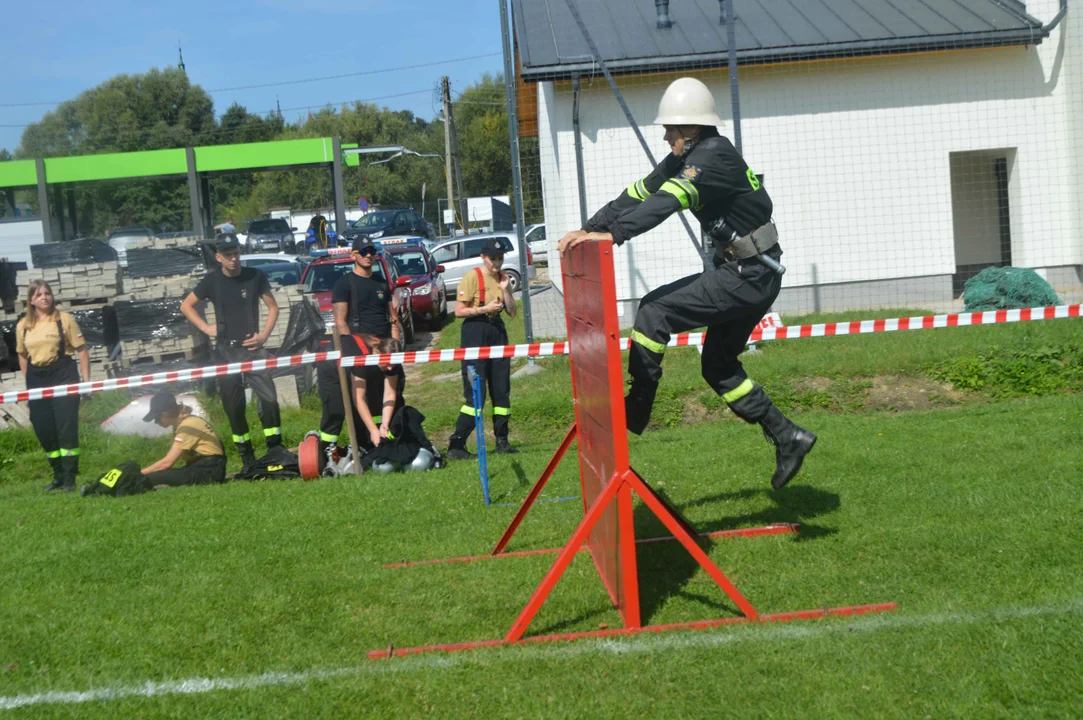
x: 194, y: 442
x: 484, y: 293
x: 46, y: 341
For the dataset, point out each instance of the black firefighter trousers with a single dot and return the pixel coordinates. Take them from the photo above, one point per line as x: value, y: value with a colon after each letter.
x: 231, y: 389
x: 730, y: 301
x: 480, y: 332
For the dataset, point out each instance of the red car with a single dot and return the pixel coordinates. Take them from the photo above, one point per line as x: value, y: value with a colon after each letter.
x: 411, y: 259
x: 330, y: 265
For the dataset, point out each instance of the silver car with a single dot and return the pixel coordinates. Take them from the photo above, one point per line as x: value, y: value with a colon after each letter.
x: 463, y: 254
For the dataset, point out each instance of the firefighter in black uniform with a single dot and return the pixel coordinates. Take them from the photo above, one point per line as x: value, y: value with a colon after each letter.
x: 236, y: 292
x: 45, y: 341
x: 363, y: 305
x: 704, y: 174
x: 484, y: 293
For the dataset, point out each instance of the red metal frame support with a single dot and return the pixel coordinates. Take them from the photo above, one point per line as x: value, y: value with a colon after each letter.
x: 536, y: 490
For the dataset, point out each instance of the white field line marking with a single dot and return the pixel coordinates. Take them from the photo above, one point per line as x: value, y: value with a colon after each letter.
x: 645, y: 643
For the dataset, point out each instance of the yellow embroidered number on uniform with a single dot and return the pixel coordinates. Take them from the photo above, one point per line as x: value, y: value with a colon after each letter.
x: 752, y: 179
x: 274, y: 468
x: 110, y: 478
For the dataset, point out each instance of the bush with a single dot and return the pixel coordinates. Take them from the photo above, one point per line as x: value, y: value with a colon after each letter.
x: 1015, y: 373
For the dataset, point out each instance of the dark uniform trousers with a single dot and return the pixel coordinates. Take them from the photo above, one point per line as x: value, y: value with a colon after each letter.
x: 204, y: 471
x: 231, y: 389
x: 56, y: 420
x: 480, y: 332
x: 730, y: 301
x: 330, y: 391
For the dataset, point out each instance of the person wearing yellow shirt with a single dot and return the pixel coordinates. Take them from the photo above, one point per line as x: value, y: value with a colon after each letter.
x: 194, y: 442
x: 46, y: 341
x: 484, y: 294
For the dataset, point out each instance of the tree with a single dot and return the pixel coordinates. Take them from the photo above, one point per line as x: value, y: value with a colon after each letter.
x: 156, y: 110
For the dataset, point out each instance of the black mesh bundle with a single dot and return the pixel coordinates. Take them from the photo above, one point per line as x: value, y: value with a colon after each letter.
x: 151, y: 319
x: 74, y: 252
x: 152, y: 262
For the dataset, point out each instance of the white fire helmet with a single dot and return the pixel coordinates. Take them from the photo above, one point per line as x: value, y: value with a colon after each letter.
x: 687, y: 101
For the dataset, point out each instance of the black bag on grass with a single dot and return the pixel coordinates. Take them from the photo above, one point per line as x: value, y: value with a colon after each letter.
x: 278, y: 464
x: 124, y: 479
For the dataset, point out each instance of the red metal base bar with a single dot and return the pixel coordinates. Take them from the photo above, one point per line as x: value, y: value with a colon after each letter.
x: 618, y: 632
x: 777, y: 529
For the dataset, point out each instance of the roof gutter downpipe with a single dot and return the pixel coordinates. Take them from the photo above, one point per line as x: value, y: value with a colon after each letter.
x: 1056, y: 18
x: 662, y: 8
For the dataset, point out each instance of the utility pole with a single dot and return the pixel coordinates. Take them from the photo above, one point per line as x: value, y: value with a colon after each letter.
x: 446, y: 93
x: 463, y: 218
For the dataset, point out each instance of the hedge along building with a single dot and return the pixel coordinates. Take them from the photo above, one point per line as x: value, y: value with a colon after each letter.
x: 53, y: 176
x: 906, y: 144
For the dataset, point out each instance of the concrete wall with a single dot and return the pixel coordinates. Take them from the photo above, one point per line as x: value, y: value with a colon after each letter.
x: 858, y: 159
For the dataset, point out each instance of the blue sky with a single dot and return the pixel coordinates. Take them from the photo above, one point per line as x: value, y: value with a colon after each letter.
x: 55, y: 50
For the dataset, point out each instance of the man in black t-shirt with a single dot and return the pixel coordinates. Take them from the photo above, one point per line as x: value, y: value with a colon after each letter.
x: 236, y: 292
x: 363, y: 305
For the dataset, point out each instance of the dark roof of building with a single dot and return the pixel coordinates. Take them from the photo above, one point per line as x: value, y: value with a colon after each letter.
x: 551, y: 45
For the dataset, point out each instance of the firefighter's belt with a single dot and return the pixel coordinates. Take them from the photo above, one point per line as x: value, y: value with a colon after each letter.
x: 755, y: 243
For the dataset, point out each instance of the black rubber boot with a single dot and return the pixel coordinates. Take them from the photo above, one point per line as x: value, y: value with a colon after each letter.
x: 792, y: 443
x: 58, y: 476
x: 638, y: 404
x: 504, y: 448
x: 69, y: 469
x: 457, y: 450
x: 248, y: 455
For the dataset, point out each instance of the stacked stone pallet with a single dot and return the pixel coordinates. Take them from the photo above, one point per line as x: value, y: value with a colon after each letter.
x: 160, y: 287
x: 166, y: 243
x: 162, y: 348
x: 74, y: 285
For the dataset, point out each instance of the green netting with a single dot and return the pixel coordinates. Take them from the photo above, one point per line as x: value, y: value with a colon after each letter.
x: 1007, y: 288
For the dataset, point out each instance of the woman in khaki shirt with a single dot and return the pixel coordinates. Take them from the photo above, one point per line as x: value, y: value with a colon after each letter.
x: 46, y: 339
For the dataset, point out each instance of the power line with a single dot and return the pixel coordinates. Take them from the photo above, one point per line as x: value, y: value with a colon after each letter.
x: 291, y: 82
x: 350, y: 75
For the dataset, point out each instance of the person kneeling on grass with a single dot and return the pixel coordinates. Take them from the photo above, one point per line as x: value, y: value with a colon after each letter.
x: 194, y: 441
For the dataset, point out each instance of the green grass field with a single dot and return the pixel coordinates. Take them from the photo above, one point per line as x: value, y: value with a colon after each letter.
x: 961, y: 502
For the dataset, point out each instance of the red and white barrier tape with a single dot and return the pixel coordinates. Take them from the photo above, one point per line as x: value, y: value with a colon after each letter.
x: 165, y: 377
x: 859, y: 327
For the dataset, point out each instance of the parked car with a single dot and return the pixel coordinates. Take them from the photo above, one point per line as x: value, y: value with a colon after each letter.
x: 427, y: 290
x: 261, y: 259
x: 120, y: 238
x: 283, y: 273
x: 463, y: 254
x: 381, y: 223
x: 536, y: 241
x: 273, y: 234
x: 177, y: 234
x: 327, y: 266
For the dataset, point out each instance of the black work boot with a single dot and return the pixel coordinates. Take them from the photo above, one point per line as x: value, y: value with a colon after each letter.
x: 638, y: 404
x: 504, y: 448
x: 457, y: 450
x: 58, y: 475
x: 792, y: 443
x: 248, y: 455
x: 69, y: 469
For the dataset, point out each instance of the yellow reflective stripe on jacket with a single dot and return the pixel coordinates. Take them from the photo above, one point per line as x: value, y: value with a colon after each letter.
x: 674, y: 188
x: 469, y: 410
x: 638, y: 191
x: 657, y: 347
x: 740, y: 391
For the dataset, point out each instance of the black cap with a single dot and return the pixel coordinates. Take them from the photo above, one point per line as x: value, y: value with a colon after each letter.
x: 160, y: 403
x: 226, y: 241
x: 492, y: 248
x: 361, y: 243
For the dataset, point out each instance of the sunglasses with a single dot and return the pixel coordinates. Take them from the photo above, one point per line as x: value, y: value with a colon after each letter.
x: 364, y: 252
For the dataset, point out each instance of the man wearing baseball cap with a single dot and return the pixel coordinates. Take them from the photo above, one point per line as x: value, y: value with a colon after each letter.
x: 485, y: 293
x: 194, y: 442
